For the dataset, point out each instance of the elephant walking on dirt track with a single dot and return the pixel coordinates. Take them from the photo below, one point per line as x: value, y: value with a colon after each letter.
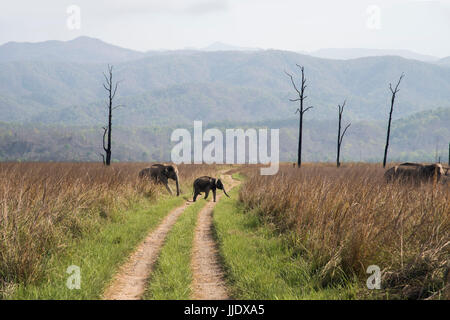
x: 206, y: 184
x: 161, y: 173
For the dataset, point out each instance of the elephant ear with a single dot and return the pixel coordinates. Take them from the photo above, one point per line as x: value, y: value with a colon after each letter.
x: 166, y: 171
x: 431, y: 170
x: 219, y: 184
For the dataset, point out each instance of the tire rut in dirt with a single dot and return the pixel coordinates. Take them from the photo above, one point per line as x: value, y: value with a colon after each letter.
x: 131, y: 281
x: 208, y: 276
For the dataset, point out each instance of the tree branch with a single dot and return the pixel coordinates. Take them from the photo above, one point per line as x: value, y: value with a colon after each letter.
x: 115, y: 89
x: 302, y: 68
x: 104, y: 135
x: 341, y: 108
x: 307, y: 109
x: 292, y: 80
x: 106, y: 79
x: 394, y: 91
x: 343, y: 133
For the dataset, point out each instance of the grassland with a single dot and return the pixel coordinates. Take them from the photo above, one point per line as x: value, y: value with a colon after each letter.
x: 97, y: 254
x: 52, y: 214
x: 306, y: 233
x: 340, y: 221
x: 258, y: 262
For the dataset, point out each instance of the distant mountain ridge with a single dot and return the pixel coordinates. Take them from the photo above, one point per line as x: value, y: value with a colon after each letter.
x: 177, y: 87
x: 220, y: 46
x: 79, y: 50
x: 356, y: 53
x: 91, y: 50
x: 445, y: 61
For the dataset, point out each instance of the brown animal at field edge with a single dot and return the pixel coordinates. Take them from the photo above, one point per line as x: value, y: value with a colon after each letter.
x: 161, y: 173
x: 415, y: 172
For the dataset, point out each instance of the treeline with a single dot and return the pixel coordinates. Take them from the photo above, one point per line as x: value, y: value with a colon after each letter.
x: 59, y: 143
x: 417, y: 138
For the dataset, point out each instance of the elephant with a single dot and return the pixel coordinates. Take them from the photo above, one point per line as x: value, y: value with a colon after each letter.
x: 415, y: 172
x: 446, y: 180
x: 447, y: 171
x: 161, y: 173
x: 205, y: 184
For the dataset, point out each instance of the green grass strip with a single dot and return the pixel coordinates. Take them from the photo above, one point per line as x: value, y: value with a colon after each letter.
x: 98, y: 255
x: 259, y: 264
x: 172, y: 276
x: 238, y: 176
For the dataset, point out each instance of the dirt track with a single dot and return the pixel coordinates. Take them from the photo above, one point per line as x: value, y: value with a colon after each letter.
x: 132, y: 278
x: 208, y: 278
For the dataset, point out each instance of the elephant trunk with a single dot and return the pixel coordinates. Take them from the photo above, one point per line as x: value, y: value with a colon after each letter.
x: 226, y: 192
x: 178, y: 186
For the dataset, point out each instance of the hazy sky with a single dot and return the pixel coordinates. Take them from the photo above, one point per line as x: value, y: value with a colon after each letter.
x: 422, y: 26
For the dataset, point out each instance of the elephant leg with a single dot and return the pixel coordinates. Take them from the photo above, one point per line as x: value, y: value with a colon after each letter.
x: 206, y: 191
x: 214, y: 195
x: 166, y: 184
x: 195, y: 195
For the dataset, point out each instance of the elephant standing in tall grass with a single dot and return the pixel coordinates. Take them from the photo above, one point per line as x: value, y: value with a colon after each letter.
x: 416, y: 172
x: 161, y: 173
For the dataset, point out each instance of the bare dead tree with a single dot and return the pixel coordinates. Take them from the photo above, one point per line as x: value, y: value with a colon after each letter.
x: 340, y: 136
x: 394, y: 93
x: 300, y: 110
x: 111, y: 89
x: 436, y: 151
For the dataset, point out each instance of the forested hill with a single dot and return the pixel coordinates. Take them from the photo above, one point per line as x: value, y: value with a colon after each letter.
x: 52, y: 102
x: 181, y: 86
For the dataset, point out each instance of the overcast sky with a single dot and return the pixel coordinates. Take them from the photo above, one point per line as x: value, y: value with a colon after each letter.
x: 422, y: 26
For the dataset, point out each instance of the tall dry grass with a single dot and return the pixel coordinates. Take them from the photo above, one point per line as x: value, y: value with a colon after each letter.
x: 343, y: 220
x: 43, y: 206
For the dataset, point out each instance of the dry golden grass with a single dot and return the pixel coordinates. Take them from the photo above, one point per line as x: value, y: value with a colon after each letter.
x: 43, y: 206
x: 343, y: 220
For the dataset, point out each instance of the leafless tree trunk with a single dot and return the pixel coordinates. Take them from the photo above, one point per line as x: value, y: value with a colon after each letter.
x: 340, y: 136
x: 300, y: 110
x: 111, y: 88
x: 436, y: 151
x: 394, y: 93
